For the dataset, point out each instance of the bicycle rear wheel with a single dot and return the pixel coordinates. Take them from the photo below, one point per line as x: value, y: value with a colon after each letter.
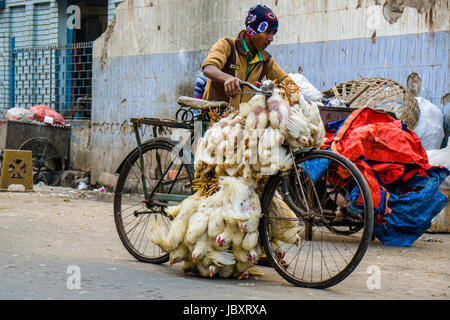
x: 317, y: 219
x: 143, y: 190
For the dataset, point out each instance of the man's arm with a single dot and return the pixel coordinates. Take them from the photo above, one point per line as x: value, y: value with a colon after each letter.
x: 230, y: 83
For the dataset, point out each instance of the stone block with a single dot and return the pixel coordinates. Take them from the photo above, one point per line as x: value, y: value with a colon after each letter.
x: 107, y: 179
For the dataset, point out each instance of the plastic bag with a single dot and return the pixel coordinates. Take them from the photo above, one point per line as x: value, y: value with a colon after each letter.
x: 309, y: 92
x: 430, y: 127
x: 441, y: 157
x: 19, y: 114
x: 46, y: 114
x: 446, y: 111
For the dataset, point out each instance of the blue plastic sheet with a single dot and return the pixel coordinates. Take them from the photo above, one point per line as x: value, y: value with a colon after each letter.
x: 413, y: 211
x: 316, y: 167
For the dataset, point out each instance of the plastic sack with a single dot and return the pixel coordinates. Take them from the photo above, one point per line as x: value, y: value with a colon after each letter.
x: 309, y: 92
x: 441, y: 157
x: 430, y: 127
x: 46, y: 114
x: 446, y: 111
x: 412, y: 212
x: 19, y: 114
x: 39, y: 111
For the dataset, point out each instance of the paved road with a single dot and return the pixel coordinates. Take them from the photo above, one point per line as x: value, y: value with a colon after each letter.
x: 49, y: 237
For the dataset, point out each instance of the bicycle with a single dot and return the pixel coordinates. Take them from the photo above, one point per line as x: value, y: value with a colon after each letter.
x: 329, y: 196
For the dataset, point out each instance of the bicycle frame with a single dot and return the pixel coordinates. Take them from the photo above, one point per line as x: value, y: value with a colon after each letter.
x: 155, y: 198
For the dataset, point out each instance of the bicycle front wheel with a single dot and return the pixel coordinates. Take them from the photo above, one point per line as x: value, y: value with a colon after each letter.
x: 317, y: 219
x: 147, y: 184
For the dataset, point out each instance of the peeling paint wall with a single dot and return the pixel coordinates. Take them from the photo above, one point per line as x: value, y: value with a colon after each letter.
x: 80, y: 142
x: 152, y: 51
x: 393, y: 9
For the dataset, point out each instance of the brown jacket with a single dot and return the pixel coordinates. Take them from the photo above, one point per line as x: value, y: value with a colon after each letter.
x: 219, y: 56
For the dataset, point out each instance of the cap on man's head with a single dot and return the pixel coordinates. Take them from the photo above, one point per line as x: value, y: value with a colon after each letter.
x: 260, y: 18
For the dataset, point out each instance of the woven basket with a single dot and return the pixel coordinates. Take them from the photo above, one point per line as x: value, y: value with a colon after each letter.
x: 378, y: 93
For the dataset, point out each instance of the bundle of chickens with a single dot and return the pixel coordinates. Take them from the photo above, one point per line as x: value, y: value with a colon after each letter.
x: 215, y: 231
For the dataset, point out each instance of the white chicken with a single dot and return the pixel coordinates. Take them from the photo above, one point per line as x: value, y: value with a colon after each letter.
x: 285, y: 225
x: 250, y: 240
x: 318, y: 132
x: 207, y: 270
x: 216, y: 224
x: 297, y: 131
x: 189, y: 267
x: 202, y: 246
x: 244, y: 109
x: 279, y: 111
x: 179, y: 254
x: 225, y: 238
x: 234, y: 193
x: 242, y: 269
x: 226, y: 271
x: 250, y: 121
x: 205, y: 257
x: 271, y: 154
x: 254, y: 254
x: 231, y: 236
x: 198, y: 224
x: 179, y: 225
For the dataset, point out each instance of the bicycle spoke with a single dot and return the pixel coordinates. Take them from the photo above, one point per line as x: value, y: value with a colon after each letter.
x: 325, y: 254
x: 133, y: 212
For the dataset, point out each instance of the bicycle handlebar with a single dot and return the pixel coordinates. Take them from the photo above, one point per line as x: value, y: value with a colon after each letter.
x: 243, y: 84
x: 267, y: 87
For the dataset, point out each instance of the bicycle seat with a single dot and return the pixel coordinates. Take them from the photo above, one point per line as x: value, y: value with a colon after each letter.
x: 201, y: 104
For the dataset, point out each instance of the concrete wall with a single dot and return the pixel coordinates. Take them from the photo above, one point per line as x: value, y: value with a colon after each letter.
x: 153, y: 49
x: 80, y: 141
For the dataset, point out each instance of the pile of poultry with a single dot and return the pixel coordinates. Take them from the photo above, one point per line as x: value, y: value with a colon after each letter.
x: 215, y: 231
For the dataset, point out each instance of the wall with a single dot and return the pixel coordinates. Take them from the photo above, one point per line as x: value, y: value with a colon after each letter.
x: 153, y: 49
x: 80, y: 140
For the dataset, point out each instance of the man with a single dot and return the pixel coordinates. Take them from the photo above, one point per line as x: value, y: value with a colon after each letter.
x: 244, y: 58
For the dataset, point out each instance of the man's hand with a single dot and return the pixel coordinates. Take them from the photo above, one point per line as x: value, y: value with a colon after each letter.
x: 230, y: 83
x: 232, y: 87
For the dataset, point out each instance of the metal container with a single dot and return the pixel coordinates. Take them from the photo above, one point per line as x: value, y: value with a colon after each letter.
x: 14, y: 133
x: 329, y: 114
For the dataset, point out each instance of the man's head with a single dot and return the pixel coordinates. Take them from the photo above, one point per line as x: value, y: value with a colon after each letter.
x: 261, y: 24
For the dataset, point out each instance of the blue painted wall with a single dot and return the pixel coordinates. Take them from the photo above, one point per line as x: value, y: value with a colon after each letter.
x: 143, y: 85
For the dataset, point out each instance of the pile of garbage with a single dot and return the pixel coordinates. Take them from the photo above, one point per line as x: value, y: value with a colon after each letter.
x: 404, y: 185
x: 37, y: 113
x: 406, y: 176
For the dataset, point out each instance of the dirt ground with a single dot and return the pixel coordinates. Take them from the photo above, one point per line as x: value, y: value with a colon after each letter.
x: 44, y: 232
